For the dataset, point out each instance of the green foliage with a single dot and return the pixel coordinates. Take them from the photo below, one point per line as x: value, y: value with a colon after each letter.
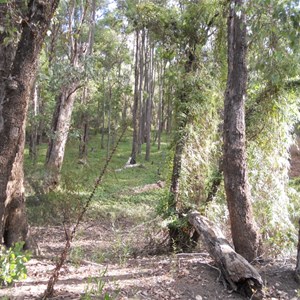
x: 12, y: 263
x: 77, y: 180
x: 95, y: 289
x: 269, y: 140
x: 49, y: 208
x: 195, y: 100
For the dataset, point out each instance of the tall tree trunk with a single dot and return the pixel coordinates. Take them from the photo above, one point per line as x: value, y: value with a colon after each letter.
x: 141, y: 106
x: 108, y: 144
x: 103, y: 125
x: 103, y: 104
x: 15, y: 90
x: 182, y: 113
x: 84, y: 123
x: 64, y: 104
x: 160, y: 113
x: 124, y: 110
x: 84, y: 137
x: 134, y: 149
x: 178, y: 238
x: 244, y: 230
x: 60, y: 128
x: 149, y: 102
x: 169, y: 116
x: 42, y: 131
x: 33, y: 134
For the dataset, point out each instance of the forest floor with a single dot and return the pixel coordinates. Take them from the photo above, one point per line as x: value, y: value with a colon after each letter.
x: 123, y: 257
x: 134, y: 275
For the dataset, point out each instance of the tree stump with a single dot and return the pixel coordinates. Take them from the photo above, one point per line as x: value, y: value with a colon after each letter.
x: 241, y: 276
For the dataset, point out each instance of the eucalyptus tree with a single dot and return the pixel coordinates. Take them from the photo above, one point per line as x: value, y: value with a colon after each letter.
x: 112, y: 56
x: 180, y: 38
x: 84, y: 119
x: 77, y: 46
x: 145, y: 19
x: 244, y: 230
x: 270, y: 113
x: 20, y: 45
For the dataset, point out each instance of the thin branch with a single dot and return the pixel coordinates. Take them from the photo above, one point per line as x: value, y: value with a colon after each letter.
x: 69, y: 236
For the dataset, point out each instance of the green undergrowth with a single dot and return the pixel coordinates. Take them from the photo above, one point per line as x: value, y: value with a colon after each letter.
x: 294, y: 193
x: 118, y: 195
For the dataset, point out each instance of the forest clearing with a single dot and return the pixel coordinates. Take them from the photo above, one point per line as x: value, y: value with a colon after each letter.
x: 149, y: 149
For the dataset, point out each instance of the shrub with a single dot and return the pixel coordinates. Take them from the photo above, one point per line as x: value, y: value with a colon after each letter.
x: 12, y: 263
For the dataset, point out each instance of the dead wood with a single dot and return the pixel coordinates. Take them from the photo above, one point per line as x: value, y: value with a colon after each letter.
x: 240, y: 275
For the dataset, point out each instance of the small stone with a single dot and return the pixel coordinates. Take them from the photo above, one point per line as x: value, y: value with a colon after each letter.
x: 198, y: 297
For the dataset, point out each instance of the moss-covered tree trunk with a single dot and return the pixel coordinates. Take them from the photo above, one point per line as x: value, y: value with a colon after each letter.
x: 243, y: 227
x: 18, y: 77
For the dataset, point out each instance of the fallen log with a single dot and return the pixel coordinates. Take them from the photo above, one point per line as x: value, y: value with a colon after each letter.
x: 241, y: 276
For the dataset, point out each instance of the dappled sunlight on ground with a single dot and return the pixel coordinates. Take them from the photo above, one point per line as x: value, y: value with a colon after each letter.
x: 98, y: 257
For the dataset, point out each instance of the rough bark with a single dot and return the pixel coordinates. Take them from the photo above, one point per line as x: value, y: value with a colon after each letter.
x: 19, y: 75
x: 236, y: 270
x: 244, y: 230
